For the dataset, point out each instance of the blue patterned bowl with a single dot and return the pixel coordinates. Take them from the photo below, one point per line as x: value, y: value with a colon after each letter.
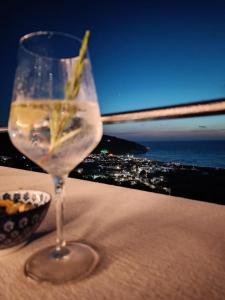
x: 17, y: 228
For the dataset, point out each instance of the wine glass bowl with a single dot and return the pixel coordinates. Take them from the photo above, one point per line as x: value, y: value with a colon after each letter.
x: 43, y: 124
x: 55, y: 121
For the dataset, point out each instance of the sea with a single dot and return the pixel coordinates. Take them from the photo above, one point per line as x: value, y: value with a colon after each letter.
x: 194, y: 153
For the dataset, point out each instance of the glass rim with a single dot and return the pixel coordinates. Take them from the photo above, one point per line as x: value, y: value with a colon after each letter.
x: 43, y: 33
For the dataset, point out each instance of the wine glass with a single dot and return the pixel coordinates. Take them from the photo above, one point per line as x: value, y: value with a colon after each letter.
x: 55, y: 121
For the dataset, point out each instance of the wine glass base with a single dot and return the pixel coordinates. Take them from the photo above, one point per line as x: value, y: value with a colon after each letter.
x: 77, y: 263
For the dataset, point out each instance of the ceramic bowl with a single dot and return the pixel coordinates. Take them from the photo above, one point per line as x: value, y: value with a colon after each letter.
x: 17, y: 228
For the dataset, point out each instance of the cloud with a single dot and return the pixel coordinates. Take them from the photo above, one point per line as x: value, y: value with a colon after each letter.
x: 202, y: 126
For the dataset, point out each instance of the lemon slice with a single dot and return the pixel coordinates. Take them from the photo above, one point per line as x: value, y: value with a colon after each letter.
x: 23, y: 118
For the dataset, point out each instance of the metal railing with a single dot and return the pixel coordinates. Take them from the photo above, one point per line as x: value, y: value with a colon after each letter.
x: 3, y: 129
x: 194, y: 109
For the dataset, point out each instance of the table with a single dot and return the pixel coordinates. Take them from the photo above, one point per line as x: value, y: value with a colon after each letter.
x: 152, y: 246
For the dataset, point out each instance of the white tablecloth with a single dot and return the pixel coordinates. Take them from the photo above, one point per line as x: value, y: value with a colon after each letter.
x: 152, y: 246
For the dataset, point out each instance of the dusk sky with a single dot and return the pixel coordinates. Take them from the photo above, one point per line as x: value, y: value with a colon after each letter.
x: 144, y: 54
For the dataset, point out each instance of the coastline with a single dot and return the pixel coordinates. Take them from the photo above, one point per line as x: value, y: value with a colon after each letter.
x: 137, y: 171
x: 199, y: 183
x: 207, y: 153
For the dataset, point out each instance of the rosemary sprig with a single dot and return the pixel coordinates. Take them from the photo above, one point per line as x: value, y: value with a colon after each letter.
x: 73, y: 85
x: 61, y: 117
x: 58, y: 122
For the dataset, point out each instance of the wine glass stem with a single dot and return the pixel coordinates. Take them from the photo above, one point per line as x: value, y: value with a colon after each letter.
x: 59, y: 182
